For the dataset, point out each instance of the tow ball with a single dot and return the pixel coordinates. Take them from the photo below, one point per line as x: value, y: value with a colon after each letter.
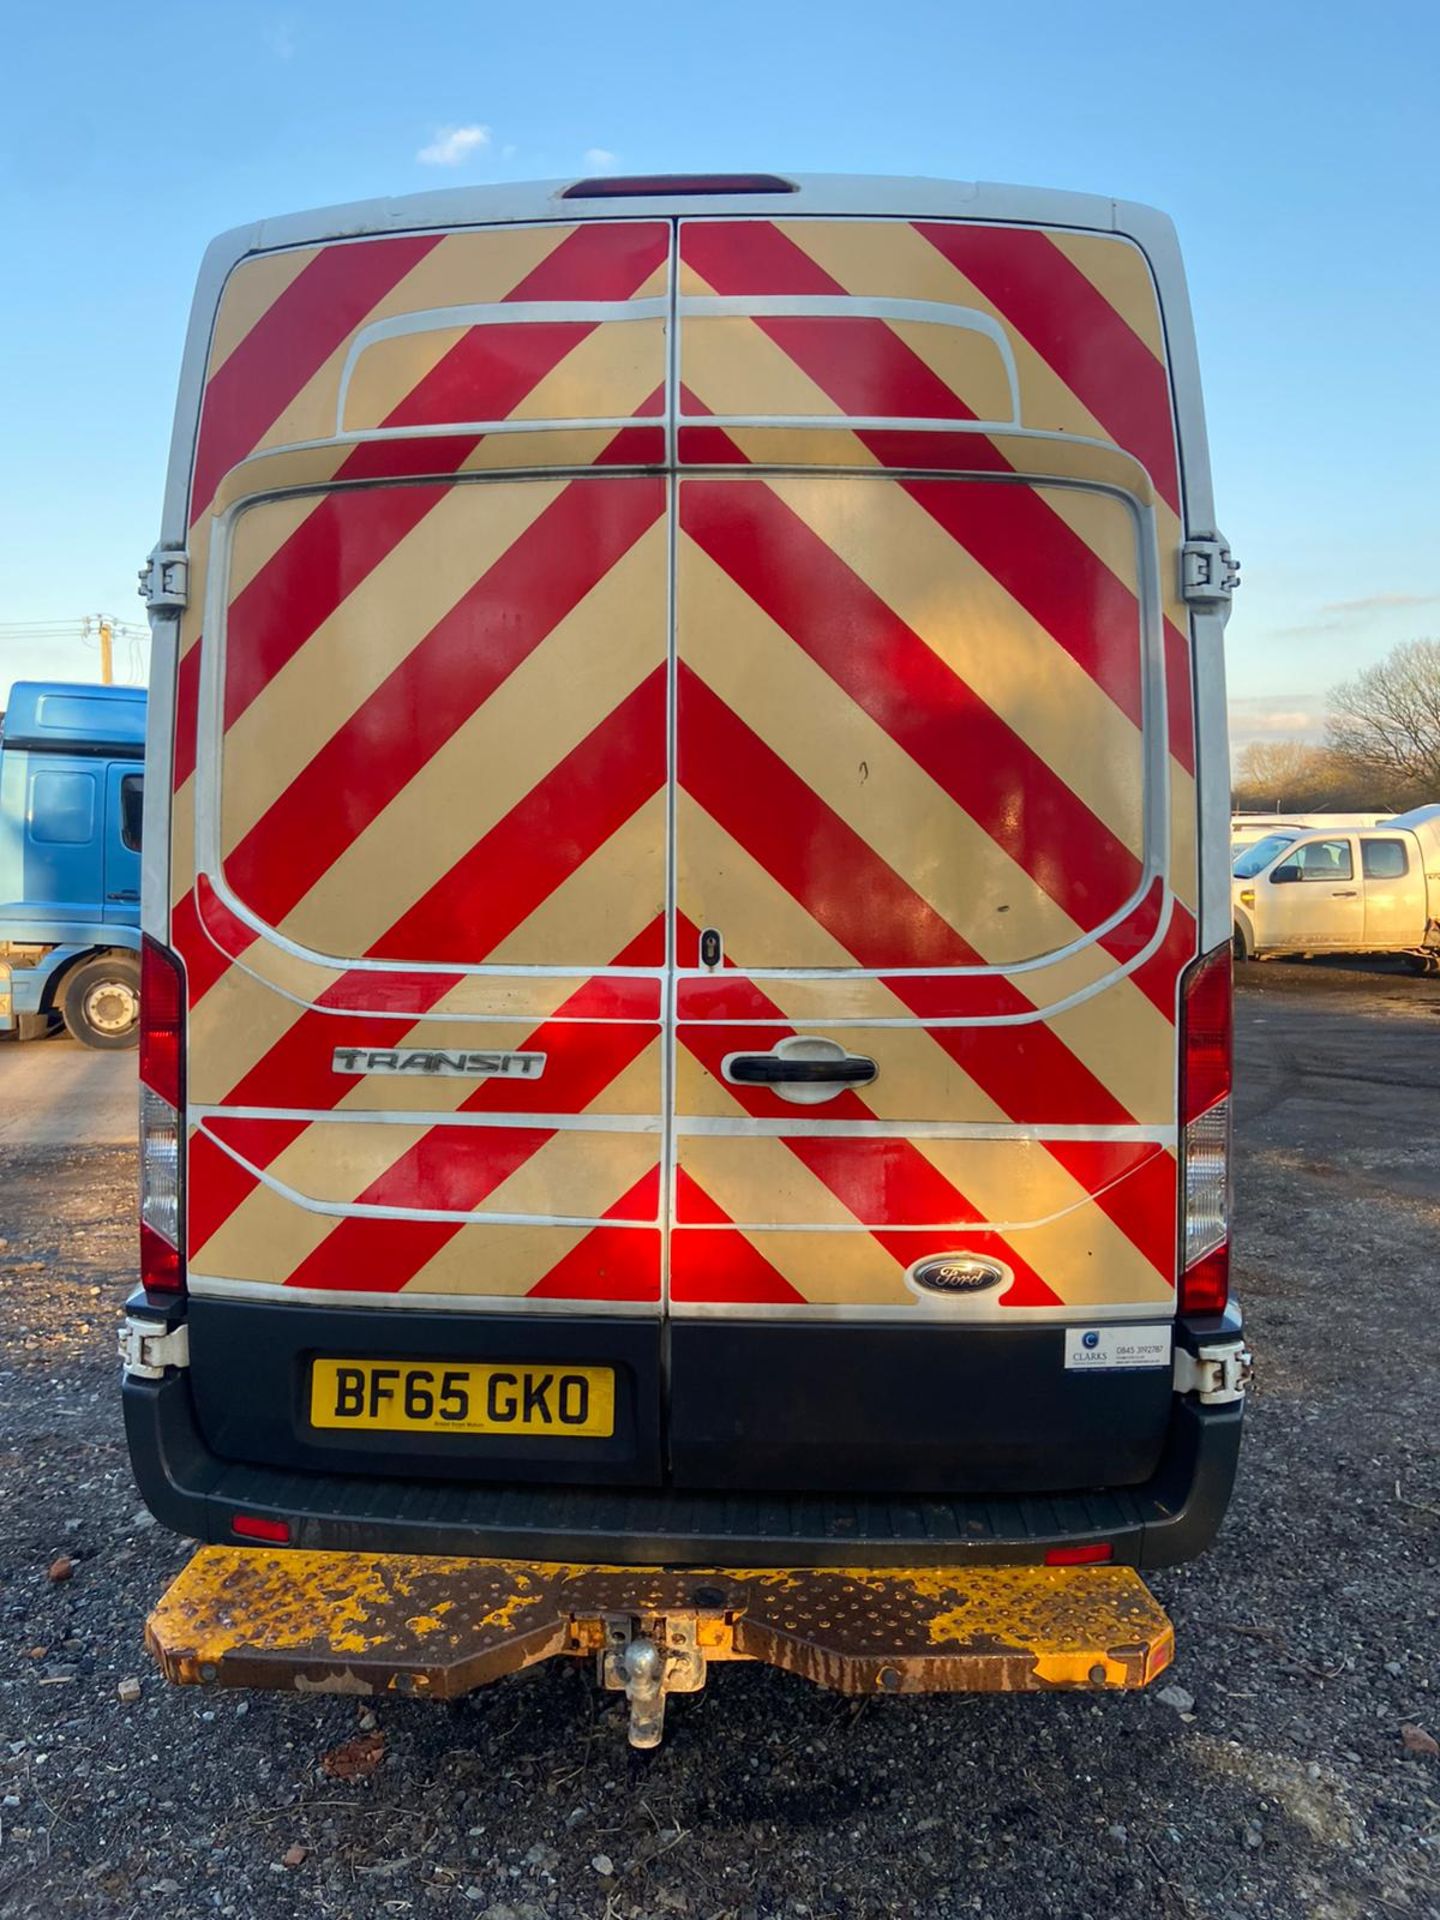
x: 646, y: 1661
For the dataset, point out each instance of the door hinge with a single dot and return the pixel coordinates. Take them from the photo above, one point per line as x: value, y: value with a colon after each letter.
x: 1209, y: 572
x: 148, y: 1347
x: 1216, y: 1375
x: 165, y: 580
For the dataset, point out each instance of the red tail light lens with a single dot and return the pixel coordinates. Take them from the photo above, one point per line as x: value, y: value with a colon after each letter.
x: 162, y: 1100
x: 1092, y: 1554
x: 1206, y: 1023
x: 160, y: 1267
x: 1206, y: 1047
x: 1205, y: 1287
x: 162, y: 1013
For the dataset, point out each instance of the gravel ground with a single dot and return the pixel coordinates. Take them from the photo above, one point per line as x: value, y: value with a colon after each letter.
x: 1308, y: 1638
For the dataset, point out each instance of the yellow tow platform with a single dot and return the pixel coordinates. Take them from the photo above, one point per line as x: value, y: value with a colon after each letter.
x: 366, y: 1623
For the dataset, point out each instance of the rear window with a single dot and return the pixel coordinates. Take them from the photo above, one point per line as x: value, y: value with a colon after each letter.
x: 1384, y: 859
x: 132, y: 809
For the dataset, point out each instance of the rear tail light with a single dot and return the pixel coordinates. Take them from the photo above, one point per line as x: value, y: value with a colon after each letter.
x: 162, y: 1099
x: 1205, y: 1070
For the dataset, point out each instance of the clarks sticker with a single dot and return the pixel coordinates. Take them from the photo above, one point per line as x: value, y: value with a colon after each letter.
x: 436, y: 1060
x: 1116, y: 1349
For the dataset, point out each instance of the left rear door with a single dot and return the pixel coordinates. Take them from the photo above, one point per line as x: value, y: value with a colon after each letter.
x: 425, y: 925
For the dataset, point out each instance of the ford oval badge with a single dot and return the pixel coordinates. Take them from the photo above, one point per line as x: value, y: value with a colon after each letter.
x: 958, y: 1273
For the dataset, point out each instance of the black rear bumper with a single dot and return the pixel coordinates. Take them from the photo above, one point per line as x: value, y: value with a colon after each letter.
x: 1171, y: 1517
x: 744, y: 1405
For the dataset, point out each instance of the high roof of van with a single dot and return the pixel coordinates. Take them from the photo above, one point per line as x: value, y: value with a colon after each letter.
x: 779, y: 198
x: 768, y: 195
x: 59, y: 716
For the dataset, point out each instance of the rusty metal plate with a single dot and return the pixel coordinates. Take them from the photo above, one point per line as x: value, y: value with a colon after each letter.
x: 352, y: 1622
x: 367, y: 1623
x: 980, y: 1630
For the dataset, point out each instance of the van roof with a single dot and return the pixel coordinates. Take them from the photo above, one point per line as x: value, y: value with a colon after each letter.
x: 56, y: 715
x: 802, y: 195
x: 1427, y: 816
x: 879, y: 195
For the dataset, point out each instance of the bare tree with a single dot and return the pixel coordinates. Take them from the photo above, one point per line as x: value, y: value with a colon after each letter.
x: 1272, y: 775
x: 1297, y: 776
x: 1387, y: 719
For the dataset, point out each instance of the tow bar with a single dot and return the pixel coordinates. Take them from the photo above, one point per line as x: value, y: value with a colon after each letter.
x: 412, y: 1626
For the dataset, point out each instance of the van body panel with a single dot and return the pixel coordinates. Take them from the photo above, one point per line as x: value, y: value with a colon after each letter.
x: 652, y: 643
x: 477, y: 708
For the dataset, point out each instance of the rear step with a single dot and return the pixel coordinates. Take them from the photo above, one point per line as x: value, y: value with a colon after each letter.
x: 364, y: 1623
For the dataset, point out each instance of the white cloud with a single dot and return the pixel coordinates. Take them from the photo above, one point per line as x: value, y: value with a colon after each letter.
x: 1275, y: 717
x: 1334, y: 616
x: 601, y: 160
x: 451, y: 145
x: 1380, y: 603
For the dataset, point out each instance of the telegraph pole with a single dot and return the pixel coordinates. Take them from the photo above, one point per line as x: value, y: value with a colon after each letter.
x: 107, y: 651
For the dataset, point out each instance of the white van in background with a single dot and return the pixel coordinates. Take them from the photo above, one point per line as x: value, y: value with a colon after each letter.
x: 1248, y: 828
x: 1376, y: 890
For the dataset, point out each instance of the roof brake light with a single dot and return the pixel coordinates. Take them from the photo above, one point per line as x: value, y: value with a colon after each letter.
x: 669, y: 186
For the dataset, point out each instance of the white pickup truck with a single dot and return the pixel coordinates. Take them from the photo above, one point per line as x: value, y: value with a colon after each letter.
x: 1360, y: 890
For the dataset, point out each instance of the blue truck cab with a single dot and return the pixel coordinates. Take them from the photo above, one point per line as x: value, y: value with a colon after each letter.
x: 71, y: 790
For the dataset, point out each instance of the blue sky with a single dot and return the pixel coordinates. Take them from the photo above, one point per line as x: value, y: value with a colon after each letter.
x: 1294, y: 145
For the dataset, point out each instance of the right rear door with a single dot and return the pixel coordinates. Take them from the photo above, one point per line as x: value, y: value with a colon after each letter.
x: 927, y: 830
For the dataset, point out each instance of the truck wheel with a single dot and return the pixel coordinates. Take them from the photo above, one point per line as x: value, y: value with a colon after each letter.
x: 102, y: 1002
x: 1242, y: 952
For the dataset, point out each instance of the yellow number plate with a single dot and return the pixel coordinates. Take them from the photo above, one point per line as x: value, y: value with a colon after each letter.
x: 401, y: 1396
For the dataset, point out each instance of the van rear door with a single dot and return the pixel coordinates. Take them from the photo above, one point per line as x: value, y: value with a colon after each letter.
x: 684, y: 852
x: 935, y: 860
x: 424, y: 920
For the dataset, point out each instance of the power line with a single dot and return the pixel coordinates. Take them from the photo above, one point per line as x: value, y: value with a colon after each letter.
x: 82, y: 627
x: 101, y: 631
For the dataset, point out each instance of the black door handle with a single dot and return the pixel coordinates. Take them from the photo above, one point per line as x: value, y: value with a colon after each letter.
x: 773, y: 1069
x: 129, y: 893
